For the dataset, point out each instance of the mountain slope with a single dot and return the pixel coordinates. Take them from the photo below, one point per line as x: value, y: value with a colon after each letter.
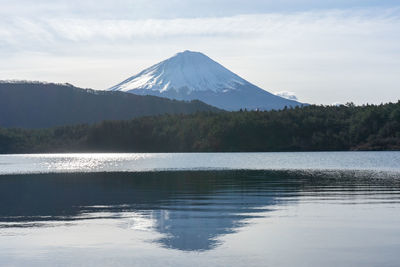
x: 192, y: 75
x: 36, y: 105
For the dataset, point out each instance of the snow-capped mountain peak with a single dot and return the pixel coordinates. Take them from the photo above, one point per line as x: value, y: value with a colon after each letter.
x: 192, y: 71
x: 192, y: 75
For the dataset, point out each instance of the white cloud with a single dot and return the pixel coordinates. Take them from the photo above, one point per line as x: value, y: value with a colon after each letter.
x: 287, y: 95
x: 324, y: 56
x: 343, y: 23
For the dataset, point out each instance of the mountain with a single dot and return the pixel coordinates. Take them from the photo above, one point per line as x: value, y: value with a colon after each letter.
x: 37, y: 105
x: 192, y: 75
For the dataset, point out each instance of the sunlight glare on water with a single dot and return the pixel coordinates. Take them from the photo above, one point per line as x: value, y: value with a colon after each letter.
x: 133, y: 162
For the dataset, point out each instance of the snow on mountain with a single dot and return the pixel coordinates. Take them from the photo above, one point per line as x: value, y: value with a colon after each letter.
x: 192, y: 75
x: 192, y: 70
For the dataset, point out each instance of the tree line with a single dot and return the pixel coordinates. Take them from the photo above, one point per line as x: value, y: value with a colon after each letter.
x: 309, y: 128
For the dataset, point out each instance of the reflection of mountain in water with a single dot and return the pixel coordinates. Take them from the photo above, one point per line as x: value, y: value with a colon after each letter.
x: 195, y: 224
x: 191, y: 209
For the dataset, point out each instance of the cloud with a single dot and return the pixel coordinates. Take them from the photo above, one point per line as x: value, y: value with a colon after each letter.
x: 322, y: 55
x: 152, y: 9
x: 287, y: 95
x: 343, y: 23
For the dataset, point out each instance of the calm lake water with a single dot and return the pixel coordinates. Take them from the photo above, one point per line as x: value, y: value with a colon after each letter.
x: 211, y: 209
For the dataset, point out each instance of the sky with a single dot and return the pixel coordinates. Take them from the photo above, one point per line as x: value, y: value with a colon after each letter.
x: 320, y: 52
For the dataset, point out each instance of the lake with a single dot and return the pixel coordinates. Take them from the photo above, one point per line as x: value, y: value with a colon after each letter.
x: 200, y: 209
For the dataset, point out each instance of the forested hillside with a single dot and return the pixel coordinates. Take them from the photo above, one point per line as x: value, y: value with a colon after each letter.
x: 39, y: 105
x: 311, y: 128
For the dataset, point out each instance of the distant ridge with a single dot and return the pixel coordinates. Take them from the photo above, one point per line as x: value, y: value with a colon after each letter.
x: 16, y: 81
x: 36, y: 105
x: 192, y: 75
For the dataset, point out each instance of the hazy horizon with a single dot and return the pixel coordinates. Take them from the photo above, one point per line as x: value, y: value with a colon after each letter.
x: 323, y: 53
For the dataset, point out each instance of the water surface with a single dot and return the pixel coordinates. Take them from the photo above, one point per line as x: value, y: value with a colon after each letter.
x: 200, y: 210
x: 134, y: 162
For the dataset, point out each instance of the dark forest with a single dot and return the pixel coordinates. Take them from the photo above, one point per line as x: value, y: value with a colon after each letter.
x: 310, y: 128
